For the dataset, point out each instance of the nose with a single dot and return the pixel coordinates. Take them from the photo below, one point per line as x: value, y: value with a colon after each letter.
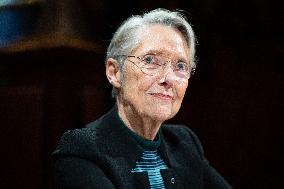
x: 167, y: 76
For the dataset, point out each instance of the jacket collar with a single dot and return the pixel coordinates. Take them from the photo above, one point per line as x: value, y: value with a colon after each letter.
x: 117, y: 140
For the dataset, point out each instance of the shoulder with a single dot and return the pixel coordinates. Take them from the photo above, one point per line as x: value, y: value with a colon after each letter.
x: 78, y: 142
x: 181, y: 134
x: 180, y: 131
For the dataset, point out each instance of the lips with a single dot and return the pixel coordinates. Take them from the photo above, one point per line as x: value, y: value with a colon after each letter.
x: 162, y: 96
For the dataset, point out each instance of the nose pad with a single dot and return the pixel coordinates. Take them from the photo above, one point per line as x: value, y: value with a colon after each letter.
x: 168, y: 76
x: 171, y: 76
x: 166, y: 69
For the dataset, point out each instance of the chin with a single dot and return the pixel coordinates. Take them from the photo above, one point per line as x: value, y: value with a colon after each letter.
x: 162, y: 114
x: 162, y: 117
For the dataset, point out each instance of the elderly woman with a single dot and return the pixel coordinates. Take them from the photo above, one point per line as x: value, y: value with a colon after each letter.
x: 149, y: 61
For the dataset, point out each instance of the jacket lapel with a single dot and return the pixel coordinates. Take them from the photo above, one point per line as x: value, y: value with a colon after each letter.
x: 121, y: 149
x: 184, y: 170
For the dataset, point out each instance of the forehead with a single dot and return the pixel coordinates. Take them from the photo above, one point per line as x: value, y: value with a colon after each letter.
x: 162, y: 39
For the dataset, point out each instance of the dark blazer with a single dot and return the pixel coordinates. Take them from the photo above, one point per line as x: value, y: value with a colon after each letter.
x: 103, y: 154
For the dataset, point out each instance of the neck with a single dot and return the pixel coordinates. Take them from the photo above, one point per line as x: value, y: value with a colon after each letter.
x: 140, y: 124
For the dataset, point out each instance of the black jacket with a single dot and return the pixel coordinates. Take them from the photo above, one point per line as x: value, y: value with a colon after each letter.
x: 103, y: 154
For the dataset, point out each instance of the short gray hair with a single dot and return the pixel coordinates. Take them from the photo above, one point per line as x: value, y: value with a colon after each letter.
x: 126, y: 38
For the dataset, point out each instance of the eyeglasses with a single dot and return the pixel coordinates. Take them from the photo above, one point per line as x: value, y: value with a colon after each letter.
x: 152, y: 64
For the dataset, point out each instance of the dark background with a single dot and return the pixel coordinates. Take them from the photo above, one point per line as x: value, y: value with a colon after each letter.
x: 52, y: 79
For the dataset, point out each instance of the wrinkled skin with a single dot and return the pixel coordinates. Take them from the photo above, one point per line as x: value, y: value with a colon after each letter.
x: 145, y: 102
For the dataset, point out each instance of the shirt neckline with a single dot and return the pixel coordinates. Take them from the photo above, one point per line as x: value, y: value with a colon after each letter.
x: 145, y: 143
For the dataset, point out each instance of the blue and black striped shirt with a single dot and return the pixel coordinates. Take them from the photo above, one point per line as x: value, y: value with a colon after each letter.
x: 150, y: 161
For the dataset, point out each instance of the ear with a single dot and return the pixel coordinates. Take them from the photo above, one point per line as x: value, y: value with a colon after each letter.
x: 113, y: 72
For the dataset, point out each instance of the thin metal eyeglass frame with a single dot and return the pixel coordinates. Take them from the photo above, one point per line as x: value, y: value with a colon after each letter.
x: 192, y: 71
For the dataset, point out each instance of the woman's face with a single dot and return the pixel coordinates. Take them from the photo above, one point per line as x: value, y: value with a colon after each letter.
x: 158, y: 97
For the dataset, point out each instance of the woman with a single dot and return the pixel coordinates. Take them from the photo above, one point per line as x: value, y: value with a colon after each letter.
x: 149, y: 61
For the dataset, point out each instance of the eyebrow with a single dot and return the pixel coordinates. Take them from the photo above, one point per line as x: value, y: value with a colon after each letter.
x: 160, y: 52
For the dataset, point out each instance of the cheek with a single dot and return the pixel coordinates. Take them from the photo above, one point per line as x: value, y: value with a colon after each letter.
x: 136, y: 87
x: 181, y: 92
x: 143, y: 85
x: 129, y: 81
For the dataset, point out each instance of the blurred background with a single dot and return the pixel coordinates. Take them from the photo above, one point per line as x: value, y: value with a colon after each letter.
x: 52, y: 79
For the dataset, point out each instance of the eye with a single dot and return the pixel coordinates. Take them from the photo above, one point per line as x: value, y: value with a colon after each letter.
x: 181, y: 66
x: 150, y: 59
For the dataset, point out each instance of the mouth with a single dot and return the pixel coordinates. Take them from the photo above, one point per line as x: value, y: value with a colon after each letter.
x: 162, y: 96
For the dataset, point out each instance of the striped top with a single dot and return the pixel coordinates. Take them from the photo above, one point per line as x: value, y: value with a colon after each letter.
x: 152, y: 163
